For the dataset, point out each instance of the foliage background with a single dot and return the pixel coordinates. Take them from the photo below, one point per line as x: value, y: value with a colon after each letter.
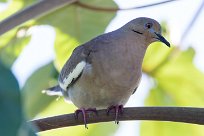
x: 175, y: 79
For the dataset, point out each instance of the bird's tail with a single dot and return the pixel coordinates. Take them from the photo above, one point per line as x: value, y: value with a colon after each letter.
x: 55, y: 90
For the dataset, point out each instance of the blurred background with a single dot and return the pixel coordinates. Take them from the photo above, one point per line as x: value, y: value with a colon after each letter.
x: 32, y: 54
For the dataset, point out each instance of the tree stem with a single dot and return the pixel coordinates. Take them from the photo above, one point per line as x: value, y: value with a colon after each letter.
x: 40, y: 8
x: 175, y: 114
x: 45, y: 6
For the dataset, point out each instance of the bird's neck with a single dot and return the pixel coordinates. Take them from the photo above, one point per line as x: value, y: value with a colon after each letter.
x: 134, y: 46
x: 139, y: 54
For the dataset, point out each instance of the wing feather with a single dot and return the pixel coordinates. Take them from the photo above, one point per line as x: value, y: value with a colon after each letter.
x: 73, y: 67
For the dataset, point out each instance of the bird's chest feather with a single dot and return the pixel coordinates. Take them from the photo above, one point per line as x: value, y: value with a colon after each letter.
x: 100, y: 82
x: 118, y: 68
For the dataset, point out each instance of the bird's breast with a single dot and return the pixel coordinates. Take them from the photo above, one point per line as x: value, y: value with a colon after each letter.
x: 120, y: 68
x: 110, y: 77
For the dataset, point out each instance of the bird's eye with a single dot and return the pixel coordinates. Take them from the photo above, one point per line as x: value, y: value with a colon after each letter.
x: 148, y: 25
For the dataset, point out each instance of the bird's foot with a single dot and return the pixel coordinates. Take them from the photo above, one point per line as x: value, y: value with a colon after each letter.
x: 118, y: 110
x: 84, y: 111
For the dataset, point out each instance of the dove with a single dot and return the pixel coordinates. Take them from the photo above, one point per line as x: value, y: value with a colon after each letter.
x: 105, y: 71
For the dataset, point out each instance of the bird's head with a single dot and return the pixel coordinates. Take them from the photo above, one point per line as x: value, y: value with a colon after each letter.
x: 149, y: 28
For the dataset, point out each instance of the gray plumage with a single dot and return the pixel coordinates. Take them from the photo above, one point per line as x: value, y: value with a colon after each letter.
x: 107, y: 70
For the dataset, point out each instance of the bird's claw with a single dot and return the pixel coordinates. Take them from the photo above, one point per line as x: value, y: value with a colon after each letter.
x: 84, y: 111
x: 118, y: 110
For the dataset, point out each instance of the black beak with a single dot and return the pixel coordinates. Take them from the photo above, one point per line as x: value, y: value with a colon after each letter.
x: 162, y: 39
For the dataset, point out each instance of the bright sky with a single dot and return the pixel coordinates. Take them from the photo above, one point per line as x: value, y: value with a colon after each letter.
x: 177, y: 15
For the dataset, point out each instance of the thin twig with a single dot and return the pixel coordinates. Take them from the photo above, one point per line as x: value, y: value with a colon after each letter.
x: 192, y: 22
x: 111, y: 9
x: 175, y: 114
x: 45, y: 6
x: 40, y: 8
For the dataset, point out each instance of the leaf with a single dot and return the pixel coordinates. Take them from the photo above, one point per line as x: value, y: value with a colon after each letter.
x: 34, y: 100
x: 11, y: 116
x: 9, y: 103
x: 157, y: 54
x: 13, y: 7
x: 180, y: 79
x: 98, y: 129
x: 170, y: 129
x: 64, y: 48
x: 75, y: 25
x: 12, y: 47
x: 78, y: 22
x: 177, y: 83
x: 13, y: 42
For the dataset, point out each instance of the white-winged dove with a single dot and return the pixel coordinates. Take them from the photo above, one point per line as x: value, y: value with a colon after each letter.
x: 106, y: 71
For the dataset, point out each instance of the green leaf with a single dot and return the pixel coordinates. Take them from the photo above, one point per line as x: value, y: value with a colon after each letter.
x: 3, y: 0
x: 64, y: 48
x: 157, y: 54
x: 177, y: 83
x: 13, y: 42
x: 98, y: 129
x: 181, y: 80
x: 34, y: 99
x: 150, y: 128
x: 13, y: 7
x: 79, y: 23
x: 11, y: 116
x: 12, y: 47
x: 10, y: 104
x: 75, y: 25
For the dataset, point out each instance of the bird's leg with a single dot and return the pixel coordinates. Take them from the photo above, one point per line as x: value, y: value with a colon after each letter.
x: 84, y: 111
x: 118, y: 110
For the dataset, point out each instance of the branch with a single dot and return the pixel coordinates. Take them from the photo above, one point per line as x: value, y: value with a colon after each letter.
x: 36, y: 10
x: 192, y: 22
x: 91, y: 7
x: 45, y: 6
x: 175, y: 114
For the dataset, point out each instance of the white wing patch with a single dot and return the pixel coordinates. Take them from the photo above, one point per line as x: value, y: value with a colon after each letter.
x: 51, y: 93
x: 72, y: 75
